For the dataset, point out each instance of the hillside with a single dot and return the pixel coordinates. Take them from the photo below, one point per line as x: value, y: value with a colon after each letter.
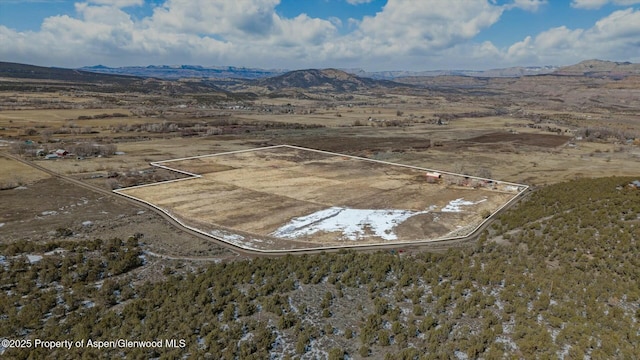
x: 556, y: 277
x: 323, y: 80
x: 509, y: 72
x: 600, y: 68
x: 22, y: 77
x: 24, y: 71
x: 186, y: 71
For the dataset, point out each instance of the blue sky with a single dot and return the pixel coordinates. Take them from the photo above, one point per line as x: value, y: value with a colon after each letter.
x: 369, y: 34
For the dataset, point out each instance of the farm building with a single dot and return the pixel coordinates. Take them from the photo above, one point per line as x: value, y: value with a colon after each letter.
x: 431, y: 175
x: 635, y: 184
x: 61, y: 152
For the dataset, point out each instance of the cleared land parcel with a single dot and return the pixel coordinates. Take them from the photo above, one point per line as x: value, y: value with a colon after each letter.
x: 285, y: 197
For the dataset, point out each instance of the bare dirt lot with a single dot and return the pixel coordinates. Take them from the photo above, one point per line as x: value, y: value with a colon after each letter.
x: 542, y: 140
x: 288, y: 197
x: 53, y: 209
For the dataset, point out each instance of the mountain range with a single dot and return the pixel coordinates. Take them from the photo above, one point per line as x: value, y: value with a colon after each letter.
x: 243, y: 82
x: 172, y: 72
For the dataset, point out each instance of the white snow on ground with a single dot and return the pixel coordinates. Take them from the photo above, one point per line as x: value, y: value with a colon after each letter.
x: 55, y: 252
x: 235, y: 239
x: 227, y: 236
x: 50, y: 212
x: 455, y: 205
x: 353, y: 223
x: 1, y: 224
x: 34, y: 258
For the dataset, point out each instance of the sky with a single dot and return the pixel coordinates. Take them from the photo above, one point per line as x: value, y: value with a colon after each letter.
x: 373, y: 35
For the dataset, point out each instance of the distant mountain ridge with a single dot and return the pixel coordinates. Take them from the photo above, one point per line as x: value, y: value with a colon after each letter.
x: 24, y: 71
x: 91, y: 81
x: 235, y: 81
x: 174, y: 72
x: 506, y: 72
x: 600, y: 68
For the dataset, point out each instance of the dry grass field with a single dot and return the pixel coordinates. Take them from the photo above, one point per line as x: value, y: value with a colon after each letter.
x: 523, y: 131
x: 286, y: 197
x: 14, y: 174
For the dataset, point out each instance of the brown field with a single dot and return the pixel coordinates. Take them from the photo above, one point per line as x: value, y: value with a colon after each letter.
x: 247, y: 197
x: 14, y: 174
x: 522, y: 131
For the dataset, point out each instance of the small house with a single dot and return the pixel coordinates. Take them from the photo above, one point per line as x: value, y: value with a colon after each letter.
x: 51, y: 157
x: 61, y: 152
x: 433, y: 176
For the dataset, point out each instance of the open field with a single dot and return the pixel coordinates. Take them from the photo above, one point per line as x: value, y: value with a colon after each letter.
x: 14, y: 174
x: 527, y: 131
x: 287, y: 197
x: 497, y: 146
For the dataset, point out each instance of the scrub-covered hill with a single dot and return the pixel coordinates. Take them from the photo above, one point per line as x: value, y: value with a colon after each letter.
x: 555, y: 277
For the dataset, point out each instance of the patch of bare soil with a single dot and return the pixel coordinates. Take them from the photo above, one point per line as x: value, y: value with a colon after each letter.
x: 358, y: 145
x: 52, y: 208
x: 542, y: 140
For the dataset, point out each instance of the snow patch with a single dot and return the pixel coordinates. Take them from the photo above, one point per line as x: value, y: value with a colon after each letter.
x: 226, y: 236
x: 235, y: 239
x: 50, y: 212
x: 455, y: 205
x: 34, y: 258
x: 353, y: 223
x: 55, y: 252
x: 1, y: 224
x: 87, y: 223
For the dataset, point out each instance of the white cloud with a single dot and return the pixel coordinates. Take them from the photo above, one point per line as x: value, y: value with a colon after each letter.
x: 225, y: 18
x: 615, y: 36
x: 254, y: 33
x: 596, y: 4
x: 402, y: 28
x: 528, y: 5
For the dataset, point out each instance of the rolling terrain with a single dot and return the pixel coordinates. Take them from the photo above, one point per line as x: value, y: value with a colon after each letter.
x: 552, y: 276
